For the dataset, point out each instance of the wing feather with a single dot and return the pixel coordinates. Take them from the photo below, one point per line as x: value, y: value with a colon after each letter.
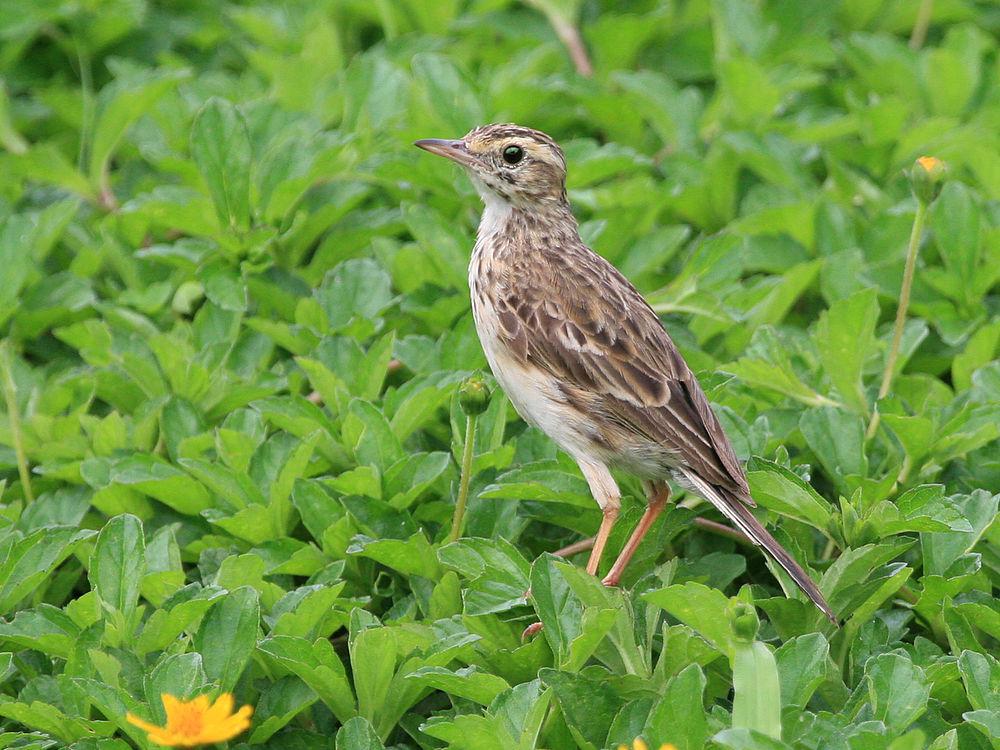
x: 589, y: 327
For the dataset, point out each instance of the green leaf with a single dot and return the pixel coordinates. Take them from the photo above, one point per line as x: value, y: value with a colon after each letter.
x: 117, y: 565
x: 220, y: 145
x: 414, y: 556
x: 845, y: 337
x: 307, y: 612
x: 785, y: 492
x: 180, y: 612
x: 358, y: 734
x: 498, y: 571
x: 16, y: 240
x: 956, y: 225
x: 46, y: 718
x: 355, y: 288
x: 469, y: 683
x: 44, y: 628
x: 180, y: 675
x: 227, y: 636
x: 280, y: 703
x: 801, y: 664
x: 748, y: 739
x: 557, y: 607
x: 679, y: 717
x: 837, y: 439
x: 164, y: 573
x: 756, y: 697
x: 318, y: 666
x: 768, y: 364
x: 942, y: 549
x: 544, y: 481
x: 897, y: 690
x: 30, y: 561
x: 224, y: 286
x: 588, y: 703
x: 119, y: 106
x: 987, y: 722
x: 368, y: 433
x: 702, y: 608
x: 981, y: 675
x: 373, y: 659
x: 978, y: 351
x: 922, y: 508
x: 155, y: 477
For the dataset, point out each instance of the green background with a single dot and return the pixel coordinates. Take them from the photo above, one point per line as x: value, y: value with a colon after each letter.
x: 235, y: 316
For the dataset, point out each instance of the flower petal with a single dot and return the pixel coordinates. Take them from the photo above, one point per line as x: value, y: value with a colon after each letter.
x: 143, y: 725
x: 170, y: 704
x: 219, y: 710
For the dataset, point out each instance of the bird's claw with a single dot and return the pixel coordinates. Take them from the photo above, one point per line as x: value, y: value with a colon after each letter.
x: 532, y: 630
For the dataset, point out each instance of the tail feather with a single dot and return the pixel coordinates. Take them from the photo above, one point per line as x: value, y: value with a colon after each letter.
x: 739, y: 514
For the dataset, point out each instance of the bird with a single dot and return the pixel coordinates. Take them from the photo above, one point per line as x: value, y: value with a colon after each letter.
x: 581, y: 354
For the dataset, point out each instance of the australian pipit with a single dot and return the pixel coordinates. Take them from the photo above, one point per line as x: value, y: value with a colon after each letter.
x: 582, y: 355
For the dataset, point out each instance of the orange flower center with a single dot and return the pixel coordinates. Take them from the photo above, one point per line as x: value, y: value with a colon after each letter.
x: 187, y: 720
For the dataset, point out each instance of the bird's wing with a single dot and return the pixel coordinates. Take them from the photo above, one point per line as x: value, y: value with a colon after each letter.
x: 582, y: 321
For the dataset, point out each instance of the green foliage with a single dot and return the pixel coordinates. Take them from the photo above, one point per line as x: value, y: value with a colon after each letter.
x: 235, y: 316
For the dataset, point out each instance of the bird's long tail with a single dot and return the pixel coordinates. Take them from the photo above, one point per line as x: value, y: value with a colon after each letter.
x: 739, y: 514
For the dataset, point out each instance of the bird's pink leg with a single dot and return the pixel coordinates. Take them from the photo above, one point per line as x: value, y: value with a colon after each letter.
x: 659, y: 496
x: 605, y: 492
x: 610, y: 516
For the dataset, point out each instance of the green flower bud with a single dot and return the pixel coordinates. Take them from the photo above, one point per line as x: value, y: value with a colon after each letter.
x: 927, y: 177
x: 474, y: 396
x: 850, y: 521
x: 745, y: 621
x: 187, y: 297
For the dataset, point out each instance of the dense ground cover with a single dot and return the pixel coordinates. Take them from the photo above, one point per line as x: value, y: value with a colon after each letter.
x: 235, y: 315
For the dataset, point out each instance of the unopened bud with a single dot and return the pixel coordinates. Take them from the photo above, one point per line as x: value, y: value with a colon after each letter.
x: 474, y: 396
x: 188, y: 295
x: 745, y: 621
x: 927, y: 177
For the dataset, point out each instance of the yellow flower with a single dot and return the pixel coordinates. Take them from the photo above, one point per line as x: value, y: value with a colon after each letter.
x: 930, y: 163
x: 196, y: 722
x: 640, y: 744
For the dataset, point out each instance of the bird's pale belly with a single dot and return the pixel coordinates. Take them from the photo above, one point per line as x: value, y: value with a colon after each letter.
x: 535, y: 394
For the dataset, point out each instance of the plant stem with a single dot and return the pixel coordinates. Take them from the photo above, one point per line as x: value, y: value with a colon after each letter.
x: 921, y: 23
x: 569, y: 35
x: 14, y: 416
x: 463, y: 484
x: 87, y: 99
x: 575, y: 548
x: 904, y: 304
x: 720, y: 529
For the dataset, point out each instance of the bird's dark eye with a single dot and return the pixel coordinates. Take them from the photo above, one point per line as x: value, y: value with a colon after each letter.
x: 513, y: 154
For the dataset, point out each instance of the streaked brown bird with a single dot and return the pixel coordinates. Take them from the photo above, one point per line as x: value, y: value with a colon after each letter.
x: 580, y: 353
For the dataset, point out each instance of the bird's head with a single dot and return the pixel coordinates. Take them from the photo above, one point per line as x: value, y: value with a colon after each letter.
x: 518, y: 165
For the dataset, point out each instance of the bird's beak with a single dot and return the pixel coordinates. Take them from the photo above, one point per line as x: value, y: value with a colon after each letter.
x: 457, y: 151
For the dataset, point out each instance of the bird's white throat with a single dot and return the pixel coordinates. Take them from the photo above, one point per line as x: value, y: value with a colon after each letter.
x: 496, y: 210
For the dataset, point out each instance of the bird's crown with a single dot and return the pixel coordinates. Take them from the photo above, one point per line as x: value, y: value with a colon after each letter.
x: 517, y: 164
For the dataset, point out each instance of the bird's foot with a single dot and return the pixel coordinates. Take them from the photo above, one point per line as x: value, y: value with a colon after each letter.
x: 532, y: 630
